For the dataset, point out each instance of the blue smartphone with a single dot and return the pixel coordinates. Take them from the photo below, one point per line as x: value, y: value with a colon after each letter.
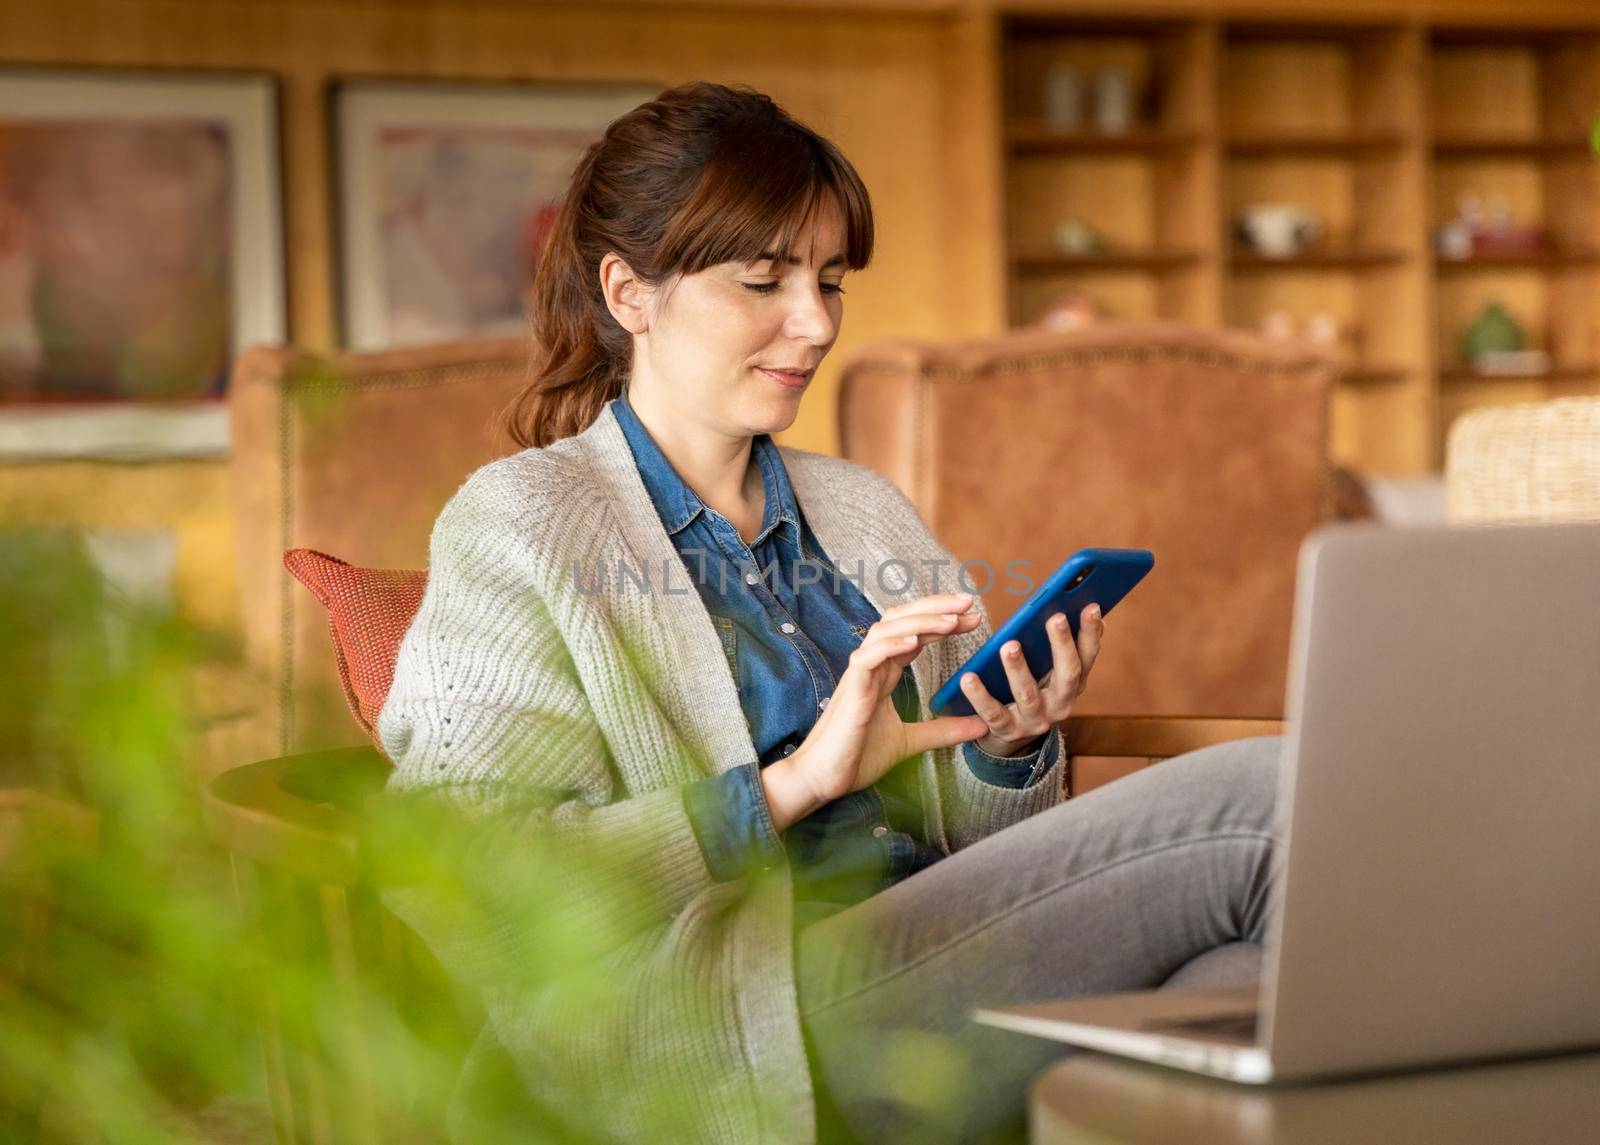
x: 1088, y: 576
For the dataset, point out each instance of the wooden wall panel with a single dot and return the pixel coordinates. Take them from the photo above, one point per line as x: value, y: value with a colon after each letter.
x: 905, y: 90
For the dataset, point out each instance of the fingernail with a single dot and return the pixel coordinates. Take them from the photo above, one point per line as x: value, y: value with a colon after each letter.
x: 948, y: 617
x: 1013, y: 648
x: 968, y: 680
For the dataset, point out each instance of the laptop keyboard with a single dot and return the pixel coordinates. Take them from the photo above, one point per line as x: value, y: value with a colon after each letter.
x: 1234, y: 1027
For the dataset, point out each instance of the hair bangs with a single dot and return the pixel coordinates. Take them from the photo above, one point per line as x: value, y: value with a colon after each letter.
x: 757, y: 196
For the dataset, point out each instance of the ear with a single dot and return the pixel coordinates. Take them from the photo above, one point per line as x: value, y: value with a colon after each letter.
x: 624, y: 293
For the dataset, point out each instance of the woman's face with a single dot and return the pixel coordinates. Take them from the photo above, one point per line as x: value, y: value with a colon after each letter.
x: 735, y: 346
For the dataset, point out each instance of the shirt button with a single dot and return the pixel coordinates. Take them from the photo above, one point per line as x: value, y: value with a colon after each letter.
x: 786, y: 628
x: 879, y: 831
x: 750, y: 578
x: 788, y: 749
x: 823, y: 703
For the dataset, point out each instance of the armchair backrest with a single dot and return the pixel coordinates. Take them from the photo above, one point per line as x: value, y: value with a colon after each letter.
x: 1209, y: 448
x: 352, y: 455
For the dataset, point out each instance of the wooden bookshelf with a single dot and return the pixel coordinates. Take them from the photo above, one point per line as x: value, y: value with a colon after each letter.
x: 1460, y: 375
x: 1511, y: 111
x: 1103, y: 261
x: 1317, y: 258
x: 1026, y: 137
x: 1380, y: 129
x: 1507, y: 147
x: 1362, y: 374
x: 1531, y: 260
x: 1315, y: 143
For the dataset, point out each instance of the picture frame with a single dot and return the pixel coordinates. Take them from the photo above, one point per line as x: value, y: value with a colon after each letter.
x: 141, y: 248
x: 445, y: 194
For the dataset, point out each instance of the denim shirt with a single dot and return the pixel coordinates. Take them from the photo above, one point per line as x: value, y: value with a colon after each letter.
x: 788, y: 642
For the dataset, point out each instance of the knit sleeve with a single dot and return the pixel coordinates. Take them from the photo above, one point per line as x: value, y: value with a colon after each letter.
x: 493, y: 741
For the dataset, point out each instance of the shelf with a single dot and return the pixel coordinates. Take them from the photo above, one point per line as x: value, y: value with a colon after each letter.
x: 1036, y: 137
x: 1373, y: 375
x: 1317, y: 260
x: 1460, y: 374
x: 1303, y: 145
x: 1381, y: 123
x: 1507, y: 147
x: 1113, y: 260
x: 1534, y: 260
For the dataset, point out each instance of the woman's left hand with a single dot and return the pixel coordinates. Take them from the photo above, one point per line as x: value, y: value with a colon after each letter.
x: 1038, y: 705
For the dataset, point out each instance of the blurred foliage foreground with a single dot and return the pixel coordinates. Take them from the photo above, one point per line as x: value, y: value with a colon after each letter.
x: 149, y: 986
x: 155, y: 988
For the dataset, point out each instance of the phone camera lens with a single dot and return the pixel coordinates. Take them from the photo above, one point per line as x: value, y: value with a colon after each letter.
x: 1080, y: 578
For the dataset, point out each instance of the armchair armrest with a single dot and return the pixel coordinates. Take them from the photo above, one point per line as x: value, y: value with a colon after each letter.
x: 1154, y: 738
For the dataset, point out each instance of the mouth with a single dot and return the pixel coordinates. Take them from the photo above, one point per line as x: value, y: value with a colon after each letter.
x: 790, y: 379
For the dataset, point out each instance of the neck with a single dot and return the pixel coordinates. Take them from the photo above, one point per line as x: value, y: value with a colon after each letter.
x: 717, y: 466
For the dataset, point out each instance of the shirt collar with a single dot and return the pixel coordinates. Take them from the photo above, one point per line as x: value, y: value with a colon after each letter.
x: 780, y: 505
x: 677, y: 504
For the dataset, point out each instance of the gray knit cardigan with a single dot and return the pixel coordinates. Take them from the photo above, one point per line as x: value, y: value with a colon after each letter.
x: 599, y: 701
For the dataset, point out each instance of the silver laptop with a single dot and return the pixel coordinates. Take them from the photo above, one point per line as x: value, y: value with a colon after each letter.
x: 1438, y: 893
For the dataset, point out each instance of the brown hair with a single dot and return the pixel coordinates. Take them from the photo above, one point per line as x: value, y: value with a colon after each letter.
x: 702, y: 174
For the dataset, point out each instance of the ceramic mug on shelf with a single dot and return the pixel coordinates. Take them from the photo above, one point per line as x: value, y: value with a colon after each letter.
x: 1278, y: 230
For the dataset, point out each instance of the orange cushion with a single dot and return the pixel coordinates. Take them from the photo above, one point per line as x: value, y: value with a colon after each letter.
x: 369, y: 611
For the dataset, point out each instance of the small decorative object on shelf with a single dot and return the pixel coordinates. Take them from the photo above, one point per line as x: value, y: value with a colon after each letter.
x: 1494, y: 331
x: 1511, y: 363
x: 1454, y: 240
x: 1071, y: 311
x: 1594, y: 136
x: 1323, y: 328
x: 1113, y: 101
x: 1075, y: 236
x: 1277, y: 230
x: 1278, y: 325
x: 1476, y: 231
x: 1063, y: 97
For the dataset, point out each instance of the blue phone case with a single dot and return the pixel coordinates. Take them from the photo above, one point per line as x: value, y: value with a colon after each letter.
x: 1111, y: 574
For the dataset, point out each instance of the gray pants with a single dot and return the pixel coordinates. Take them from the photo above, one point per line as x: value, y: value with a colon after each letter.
x: 1159, y: 878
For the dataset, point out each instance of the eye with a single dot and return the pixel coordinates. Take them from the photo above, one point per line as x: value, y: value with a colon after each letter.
x: 832, y: 288
x: 760, y: 287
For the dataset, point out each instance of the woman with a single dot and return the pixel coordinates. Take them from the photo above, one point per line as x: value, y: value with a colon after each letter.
x: 696, y: 664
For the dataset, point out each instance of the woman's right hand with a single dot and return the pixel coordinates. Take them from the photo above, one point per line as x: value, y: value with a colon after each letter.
x: 859, y: 736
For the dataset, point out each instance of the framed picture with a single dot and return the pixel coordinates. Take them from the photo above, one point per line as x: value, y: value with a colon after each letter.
x: 446, y: 194
x: 141, y: 246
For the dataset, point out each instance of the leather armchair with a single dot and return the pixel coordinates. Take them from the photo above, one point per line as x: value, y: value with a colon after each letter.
x: 353, y: 455
x: 1209, y: 448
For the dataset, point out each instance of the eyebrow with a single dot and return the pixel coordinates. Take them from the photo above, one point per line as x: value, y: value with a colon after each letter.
x: 793, y: 260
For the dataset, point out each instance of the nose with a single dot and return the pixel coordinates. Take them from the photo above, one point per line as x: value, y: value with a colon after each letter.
x: 810, y: 319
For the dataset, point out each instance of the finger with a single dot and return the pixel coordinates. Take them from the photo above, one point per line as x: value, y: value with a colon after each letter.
x: 1024, y: 688
x: 996, y: 715
x: 947, y: 731
x: 930, y: 626
x: 937, y: 602
x: 1091, y: 627
x: 1065, y: 679
x: 867, y: 660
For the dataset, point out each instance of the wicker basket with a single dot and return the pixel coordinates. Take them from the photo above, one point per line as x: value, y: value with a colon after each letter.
x: 1535, y: 462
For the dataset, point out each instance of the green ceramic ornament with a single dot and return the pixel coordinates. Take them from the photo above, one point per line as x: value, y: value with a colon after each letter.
x: 1493, y: 330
